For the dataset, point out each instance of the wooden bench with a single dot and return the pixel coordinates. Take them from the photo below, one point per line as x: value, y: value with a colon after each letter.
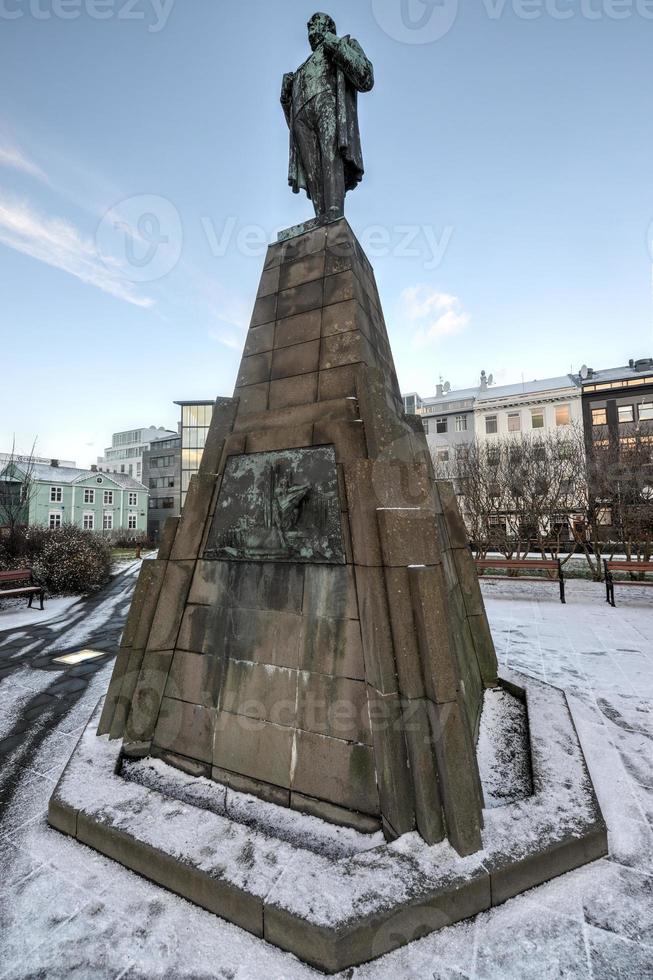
x: 553, y: 567
x: 624, y: 566
x: 9, y: 587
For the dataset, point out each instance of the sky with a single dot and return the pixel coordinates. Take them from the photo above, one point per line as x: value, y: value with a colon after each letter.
x: 506, y: 206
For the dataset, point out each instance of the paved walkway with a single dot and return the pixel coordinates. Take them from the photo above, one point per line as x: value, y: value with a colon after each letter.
x: 65, y: 911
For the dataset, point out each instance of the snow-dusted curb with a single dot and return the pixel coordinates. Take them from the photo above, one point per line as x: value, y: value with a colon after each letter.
x: 335, y: 913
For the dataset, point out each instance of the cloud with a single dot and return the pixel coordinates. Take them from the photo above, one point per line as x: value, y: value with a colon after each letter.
x: 58, y: 243
x: 11, y: 156
x: 434, y: 314
x: 234, y: 343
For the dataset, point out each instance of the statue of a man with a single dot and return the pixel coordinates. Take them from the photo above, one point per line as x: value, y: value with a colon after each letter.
x: 320, y: 103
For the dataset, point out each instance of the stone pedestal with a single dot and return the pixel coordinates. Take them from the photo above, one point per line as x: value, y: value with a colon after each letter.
x: 312, y: 632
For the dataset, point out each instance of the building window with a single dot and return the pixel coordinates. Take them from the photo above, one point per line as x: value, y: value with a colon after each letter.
x: 441, y: 426
x: 490, y: 425
x: 56, y: 495
x: 133, y: 500
x: 443, y: 455
x: 537, y: 419
x: 646, y: 412
x: 425, y: 424
x: 138, y: 471
x: 460, y: 423
x: 563, y: 415
x: 54, y: 520
x: 600, y: 416
x: 132, y: 522
x: 89, y: 495
x: 88, y: 522
x: 167, y: 503
x: 514, y: 422
x: 107, y: 521
x: 108, y: 496
x: 626, y: 413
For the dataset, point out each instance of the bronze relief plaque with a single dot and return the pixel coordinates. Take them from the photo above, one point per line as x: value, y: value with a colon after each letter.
x: 278, y: 506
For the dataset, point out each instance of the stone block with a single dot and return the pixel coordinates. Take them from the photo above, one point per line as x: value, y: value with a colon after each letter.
x: 311, y: 241
x: 186, y: 729
x: 335, y: 706
x: 392, y: 770
x: 457, y: 531
x: 338, y: 815
x: 340, y: 258
x: 429, y: 814
x: 380, y: 669
x: 266, y: 636
x: 62, y: 816
x: 458, y: 777
x: 336, y: 771
x: 264, y: 310
x: 339, y: 382
x: 280, y: 437
x: 408, y: 536
x: 113, y: 694
x: 404, y: 635
x: 330, y: 592
x: 293, y: 391
x: 273, y: 257
x: 245, y: 784
x: 222, y: 423
x: 345, y: 348
x: 269, y: 282
x: 332, y: 646
x: 123, y: 703
x: 148, y: 694
x: 257, y: 749
x: 362, y: 502
x: 301, y: 270
x: 249, y: 585
x: 190, y: 766
x: 259, y: 690
x: 484, y: 647
x: 259, y: 340
x: 344, y: 318
x: 193, y: 519
x: 255, y: 369
x: 195, y: 678
x: 342, y: 287
x: 300, y: 299
x: 348, y: 436
x: 170, y: 605
x: 298, y: 329
x: 253, y: 398
x: 334, y: 408
x: 298, y: 359
x: 434, y: 633
x: 468, y: 579
x: 167, y: 537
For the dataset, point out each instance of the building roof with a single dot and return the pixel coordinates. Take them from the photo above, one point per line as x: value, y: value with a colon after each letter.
x: 453, y: 395
x: 46, y: 473
x: 638, y: 369
x: 497, y: 392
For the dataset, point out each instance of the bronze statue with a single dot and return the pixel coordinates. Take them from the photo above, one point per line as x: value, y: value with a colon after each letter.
x: 320, y: 104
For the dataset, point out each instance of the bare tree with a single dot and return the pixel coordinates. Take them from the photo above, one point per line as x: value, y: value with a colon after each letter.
x: 17, y: 488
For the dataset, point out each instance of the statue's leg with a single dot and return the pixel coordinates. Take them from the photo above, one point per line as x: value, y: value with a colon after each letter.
x: 333, y: 170
x: 309, y: 151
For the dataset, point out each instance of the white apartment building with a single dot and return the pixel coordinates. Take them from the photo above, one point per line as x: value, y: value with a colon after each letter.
x: 125, y: 454
x: 529, y: 408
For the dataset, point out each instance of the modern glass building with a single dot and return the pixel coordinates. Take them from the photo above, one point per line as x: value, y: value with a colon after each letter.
x: 195, y: 421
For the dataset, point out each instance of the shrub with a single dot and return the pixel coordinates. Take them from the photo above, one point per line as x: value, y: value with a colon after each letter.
x: 66, y: 560
x: 126, y: 539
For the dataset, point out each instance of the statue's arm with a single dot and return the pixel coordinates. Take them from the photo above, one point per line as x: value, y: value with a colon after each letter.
x: 286, y: 95
x: 348, y: 55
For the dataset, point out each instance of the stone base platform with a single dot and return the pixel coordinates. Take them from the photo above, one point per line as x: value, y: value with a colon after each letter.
x: 339, y: 906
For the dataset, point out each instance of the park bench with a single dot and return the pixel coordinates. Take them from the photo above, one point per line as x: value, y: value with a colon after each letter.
x: 624, y: 566
x: 552, y: 566
x: 10, y: 587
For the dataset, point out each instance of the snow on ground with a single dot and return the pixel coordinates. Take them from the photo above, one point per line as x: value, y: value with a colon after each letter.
x: 15, y: 613
x: 66, y: 911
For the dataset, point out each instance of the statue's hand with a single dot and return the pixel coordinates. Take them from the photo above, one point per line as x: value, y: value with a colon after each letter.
x: 331, y: 42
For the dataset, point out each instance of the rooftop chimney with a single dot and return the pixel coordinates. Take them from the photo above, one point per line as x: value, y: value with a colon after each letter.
x: 438, y: 391
x: 93, y: 467
x: 54, y: 462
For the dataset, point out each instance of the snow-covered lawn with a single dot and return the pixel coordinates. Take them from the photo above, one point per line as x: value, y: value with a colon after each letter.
x: 65, y: 911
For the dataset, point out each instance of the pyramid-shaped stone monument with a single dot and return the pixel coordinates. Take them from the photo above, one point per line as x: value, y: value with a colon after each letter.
x: 289, y: 738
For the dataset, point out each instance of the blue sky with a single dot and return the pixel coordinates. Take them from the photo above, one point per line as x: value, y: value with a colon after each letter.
x: 506, y: 204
